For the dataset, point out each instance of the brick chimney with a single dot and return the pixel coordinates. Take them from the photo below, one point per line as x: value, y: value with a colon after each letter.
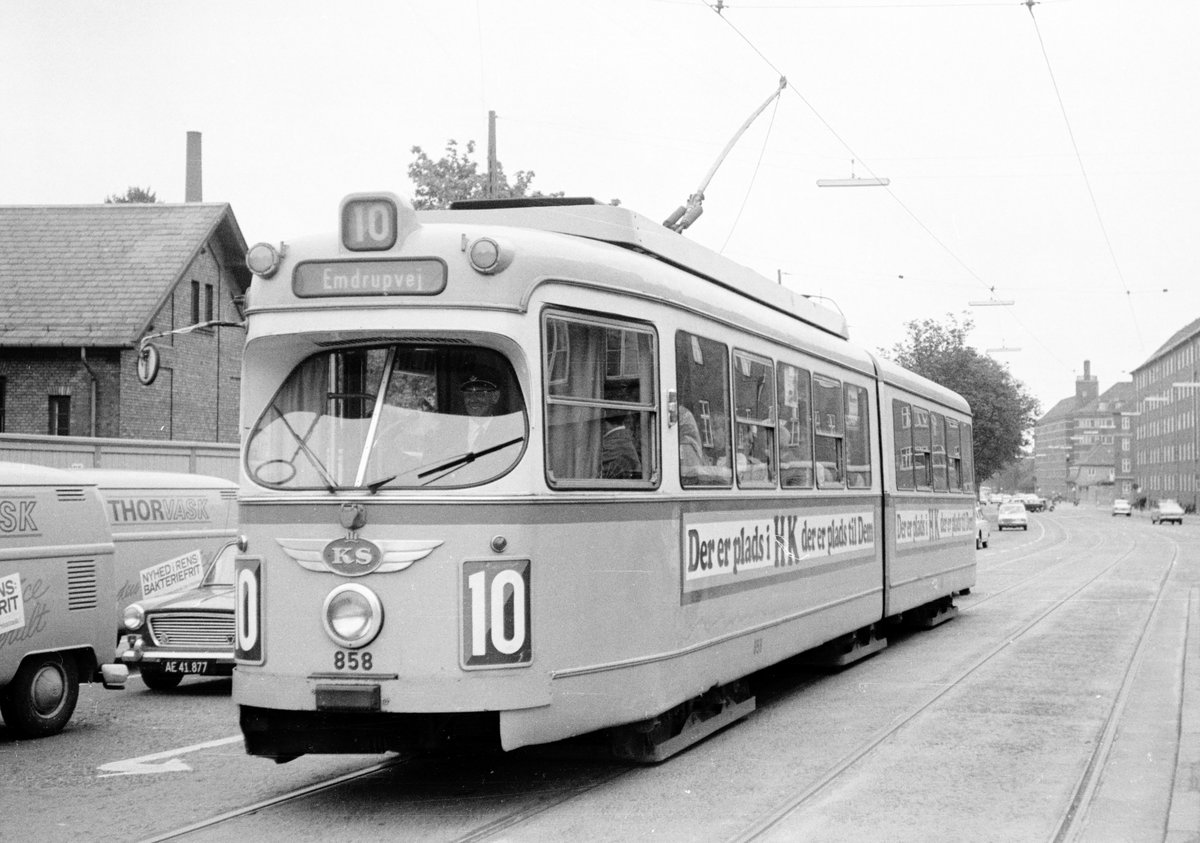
x: 1087, y: 388
x: 193, y: 190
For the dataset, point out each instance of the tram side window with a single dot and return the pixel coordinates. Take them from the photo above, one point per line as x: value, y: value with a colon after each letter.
x: 601, y: 406
x: 968, y: 458
x: 829, y: 426
x: 754, y: 400
x: 794, y: 386
x: 702, y: 381
x: 902, y: 432
x: 922, y: 449
x: 953, y: 454
x: 937, y: 430
x: 858, y: 438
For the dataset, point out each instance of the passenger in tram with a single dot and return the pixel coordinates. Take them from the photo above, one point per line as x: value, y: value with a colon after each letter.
x: 618, y: 456
x: 691, y: 447
x: 751, y: 467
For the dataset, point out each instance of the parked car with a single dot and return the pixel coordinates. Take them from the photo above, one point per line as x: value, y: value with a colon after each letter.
x: 1122, y: 507
x: 1166, y: 511
x: 1012, y: 515
x: 983, y: 530
x: 184, y: 633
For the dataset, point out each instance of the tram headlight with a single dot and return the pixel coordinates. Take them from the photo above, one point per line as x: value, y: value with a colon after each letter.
x: 263, y: 259
x: 134, y: 616
x: 487, y: 256
x: 352, y: 615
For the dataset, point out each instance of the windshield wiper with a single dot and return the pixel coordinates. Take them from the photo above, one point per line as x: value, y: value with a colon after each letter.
x: 374, y: 487
x: 468, y: 457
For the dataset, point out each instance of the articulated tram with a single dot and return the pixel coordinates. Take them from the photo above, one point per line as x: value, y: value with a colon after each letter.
x: 524, y: 470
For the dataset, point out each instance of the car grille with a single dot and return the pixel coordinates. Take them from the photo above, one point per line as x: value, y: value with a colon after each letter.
x: 197, y: 629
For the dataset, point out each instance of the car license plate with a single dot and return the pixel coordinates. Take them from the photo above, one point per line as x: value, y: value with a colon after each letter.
x: 186, y: 666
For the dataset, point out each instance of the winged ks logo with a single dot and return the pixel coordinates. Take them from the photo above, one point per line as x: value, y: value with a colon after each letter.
x: 354, y: 556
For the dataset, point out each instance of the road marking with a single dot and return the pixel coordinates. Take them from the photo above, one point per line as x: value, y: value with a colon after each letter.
x: 167, y: 761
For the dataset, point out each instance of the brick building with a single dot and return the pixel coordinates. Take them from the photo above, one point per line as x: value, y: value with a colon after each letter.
x: 80, y: 285
x: 1167, y: 384
x: 1083, y: 447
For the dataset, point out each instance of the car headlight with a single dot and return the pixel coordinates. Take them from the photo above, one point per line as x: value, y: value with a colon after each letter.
x: 135, y: 616
x: 352, y: 615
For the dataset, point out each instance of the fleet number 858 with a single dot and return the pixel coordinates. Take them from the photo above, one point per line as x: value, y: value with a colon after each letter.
x: 351, y: 660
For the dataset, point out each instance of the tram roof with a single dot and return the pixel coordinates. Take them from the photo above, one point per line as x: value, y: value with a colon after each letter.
x: 628, y: 229
x: 897, y: 376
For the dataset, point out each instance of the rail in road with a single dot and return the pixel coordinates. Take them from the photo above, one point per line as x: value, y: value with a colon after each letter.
x: 1061, y: 705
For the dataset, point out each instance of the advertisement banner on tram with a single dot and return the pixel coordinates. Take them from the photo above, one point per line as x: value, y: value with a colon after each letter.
x: 724, y: 551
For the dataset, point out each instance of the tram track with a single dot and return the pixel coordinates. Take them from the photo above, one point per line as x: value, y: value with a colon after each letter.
x: 1071, y: 559
x: 277, y: 800
x: 1069, y: 828
x: 1070, y: 822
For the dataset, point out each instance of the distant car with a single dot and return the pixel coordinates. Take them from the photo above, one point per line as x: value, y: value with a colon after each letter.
x: 983, y: 530
x: 1033, y: 503
x: 1166, y: 512
x: 185, y: 633
x: 1122, y: 507
x: 1012, y: 515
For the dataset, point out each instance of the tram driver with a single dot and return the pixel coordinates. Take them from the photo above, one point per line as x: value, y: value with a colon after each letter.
x: 481, y: 400
x: 480, y: 396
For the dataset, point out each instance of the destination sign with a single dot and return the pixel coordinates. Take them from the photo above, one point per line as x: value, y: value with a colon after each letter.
x: 425, y: 277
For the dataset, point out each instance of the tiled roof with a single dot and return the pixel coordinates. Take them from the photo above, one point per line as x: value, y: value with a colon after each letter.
x: 93, y: 275
x: 1101, y: 455
x: 1063, y: 409
x: 1186, y: 332
x: 1110, y: 401
x: 1113, y: 399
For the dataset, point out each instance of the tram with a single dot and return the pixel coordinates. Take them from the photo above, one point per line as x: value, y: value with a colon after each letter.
x: 525, y: 470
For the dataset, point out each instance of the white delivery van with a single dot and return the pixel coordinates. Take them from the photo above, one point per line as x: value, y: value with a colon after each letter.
x: 56, y: 596
x: 166, y: 528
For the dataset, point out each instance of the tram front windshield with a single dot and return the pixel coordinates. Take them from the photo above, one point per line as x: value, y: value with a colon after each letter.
x: 397, y: 416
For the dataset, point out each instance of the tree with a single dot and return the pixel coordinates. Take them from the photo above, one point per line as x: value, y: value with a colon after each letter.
x: 455, y: 176
x: 1002, y: 407
x: 133, y: 195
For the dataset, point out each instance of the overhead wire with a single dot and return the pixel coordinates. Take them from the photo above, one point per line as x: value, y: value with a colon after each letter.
x: 719, y: 9
x: 1029, y: 4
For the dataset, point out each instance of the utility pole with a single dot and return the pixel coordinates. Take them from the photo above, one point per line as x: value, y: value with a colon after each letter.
x: 491, y: 178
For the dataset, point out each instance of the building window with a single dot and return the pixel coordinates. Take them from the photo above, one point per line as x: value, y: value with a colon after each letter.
x: 3, y: 402
x: 60, y: 415
x: 195, y: 302
x: 208, y: 303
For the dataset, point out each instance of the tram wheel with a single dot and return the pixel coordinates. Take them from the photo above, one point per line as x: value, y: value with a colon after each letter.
x: 41, y: 697
x: 157, y: 680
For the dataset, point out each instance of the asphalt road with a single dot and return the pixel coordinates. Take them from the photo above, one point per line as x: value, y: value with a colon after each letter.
x: 1062, y: 704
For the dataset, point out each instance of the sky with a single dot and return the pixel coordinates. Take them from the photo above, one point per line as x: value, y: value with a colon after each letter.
x: 1043, y: 155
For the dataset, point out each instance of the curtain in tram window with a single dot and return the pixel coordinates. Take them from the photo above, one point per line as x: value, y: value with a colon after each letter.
x: 573, y: 432
x: 278, y: 447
